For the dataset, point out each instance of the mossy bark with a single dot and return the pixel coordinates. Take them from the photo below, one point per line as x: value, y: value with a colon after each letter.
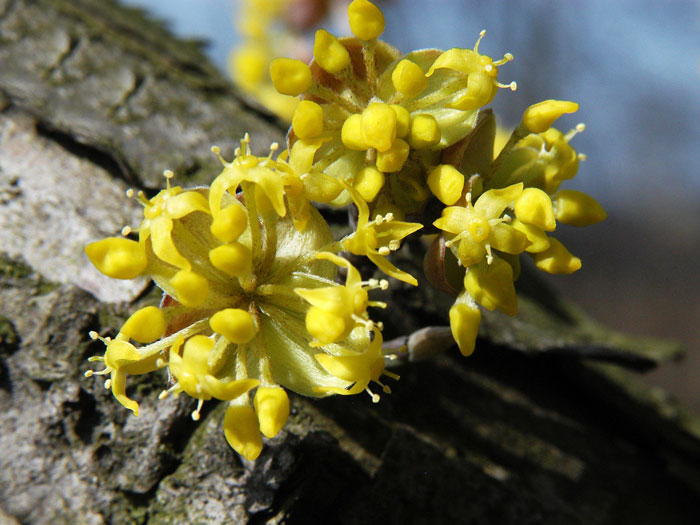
x: 545, y: 423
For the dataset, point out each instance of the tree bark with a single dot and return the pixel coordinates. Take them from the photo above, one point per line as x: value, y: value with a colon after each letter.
x: 546, y: 423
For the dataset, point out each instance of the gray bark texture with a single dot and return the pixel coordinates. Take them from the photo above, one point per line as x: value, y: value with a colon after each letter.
x: 546, y: 423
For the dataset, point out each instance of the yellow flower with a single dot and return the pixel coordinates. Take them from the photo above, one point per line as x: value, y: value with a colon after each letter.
x: 378, y: 238
x: 476, y: 229
x: 236, y: 316
x: 359, y: 368
x: 336, y: 310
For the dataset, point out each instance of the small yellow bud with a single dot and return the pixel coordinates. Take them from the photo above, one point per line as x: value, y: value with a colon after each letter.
x: 290, y: 76
x: 379, y: 126
x: 308, y: 120
x: 351, y: 134
x: 403, y: 118
x: 408, y: 78
x: 577, y: 209
x: 329, y: 53
x: 368, y: 183
x: 235, y: 259
x: 366, y: 20
x: 272, y: 407
x: 535, y: 207
x: 424, y: 132
x: 446, y: 183
x: 538, y: 239
x: 229, y: 223
x: 539, y: 117
x: 393, y: 159
x: 491, y: 285
x: 557, y: 259
x: 464, y: 323
x: 234, y: 324
x: 117, y: 257
x: 191, y: 289
x: 242, y: 431
x: 145, y: 325
x: 326, y: 327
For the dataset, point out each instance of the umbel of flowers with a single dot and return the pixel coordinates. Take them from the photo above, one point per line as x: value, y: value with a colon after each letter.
x: 252, y: 302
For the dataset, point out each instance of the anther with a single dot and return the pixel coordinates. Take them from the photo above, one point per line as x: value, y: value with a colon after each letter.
x: 108, y: 384
x: 384, y: 250
x: 93, y: 335
x: 375, y: 397
x: 126, y: 230
x: 89, y: 373
x: 168, y: 174
x: 384, y: 284
x: 130, y: 193
x: 195, y: 414
x: 582, y: 157
x: 394, y: 245
x: 163, y: 395
x: 482, y: 33
x: 160, y: 362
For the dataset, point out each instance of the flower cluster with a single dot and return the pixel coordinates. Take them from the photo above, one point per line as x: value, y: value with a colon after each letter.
x: 253, y: 298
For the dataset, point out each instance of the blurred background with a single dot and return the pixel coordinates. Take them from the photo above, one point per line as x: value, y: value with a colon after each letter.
x: 634, y: 67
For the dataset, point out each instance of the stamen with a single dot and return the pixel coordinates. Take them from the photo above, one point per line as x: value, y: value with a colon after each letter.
x: 108, y: 384
x: 126, y: 230
x: 489, y: 256
x: 384, y: 250
x: 578, y: 129
x: 168, y: 175
x: 195, y: 414
x: 89, y: 373
x: 506, y: 58
x: 130, y: 193
x: 582, y: 157
x: 375, y: 397
x: 481, y: 35
x: 142, y: 199
x: 394, y: 245
x: 392, y: 375
x: 513, y: 85
x: 377, y: 304
x: 160, y: 362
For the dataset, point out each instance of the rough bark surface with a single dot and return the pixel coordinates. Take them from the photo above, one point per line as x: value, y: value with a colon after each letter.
x: 546, y: 423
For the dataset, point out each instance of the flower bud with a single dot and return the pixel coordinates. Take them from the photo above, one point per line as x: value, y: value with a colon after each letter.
x: 234, y: 259
x: 229, y: 223
x: 557, y: 259
x: 446, y: 183
x: 117, y: 257
x: 535, y: 207
x: 351, y: 134
x: 539, y: 117
x: 408, y: 78
x: 234, y: 324
x: 272, y: 408
x: 424, y: 132
x: 308, y: 120
x: 368, y: 183
x: 464, y: 323
x: 290, y: 76
x: 329, y: 53
x: 577, y: 209
x: 394, y: 158
x: 379, y: 126
x: 145, y: 325
x: 242, y: 431
x: 366, y: 20
x: 190, y: 288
